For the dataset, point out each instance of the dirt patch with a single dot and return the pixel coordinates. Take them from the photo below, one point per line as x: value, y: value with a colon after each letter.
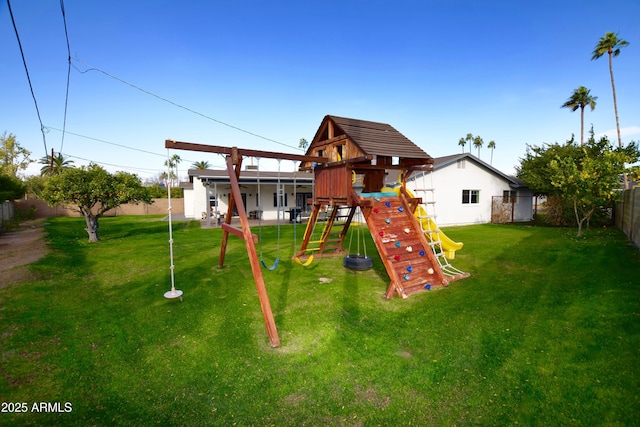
x: 18, y: 249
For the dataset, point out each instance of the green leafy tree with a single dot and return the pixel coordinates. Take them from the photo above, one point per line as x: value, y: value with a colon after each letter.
x: 586, y: 177
x: 580, y: 98
x: 55, y: 166
x: 13, y: 157
x: 303, y: 143
x: 611, y: 45
x: 11, y: 188
x: 92, y: 191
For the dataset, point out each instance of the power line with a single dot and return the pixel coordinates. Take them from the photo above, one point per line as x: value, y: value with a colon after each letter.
x: 119, y: 145
x: 90, y: 68
x: 108, y: 142
x: 111, y: 164
x: 66, y: 96
x: 26, y: 69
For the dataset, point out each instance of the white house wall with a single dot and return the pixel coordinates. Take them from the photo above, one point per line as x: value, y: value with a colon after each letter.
x: 449, y: 181
x: 196, y: 200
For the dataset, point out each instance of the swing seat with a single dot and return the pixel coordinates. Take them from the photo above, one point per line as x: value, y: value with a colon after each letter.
x: 273, y: 267
x: 306, y: 263
x: 358, y: 262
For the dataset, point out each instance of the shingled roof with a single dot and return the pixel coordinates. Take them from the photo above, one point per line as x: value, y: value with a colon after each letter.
x: 374, y: 138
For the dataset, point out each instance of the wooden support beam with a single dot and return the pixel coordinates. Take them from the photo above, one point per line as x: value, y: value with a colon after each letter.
x: 267, y: 314
x: 237, y: 232
x: 178, y: 145
x: 231, y: 205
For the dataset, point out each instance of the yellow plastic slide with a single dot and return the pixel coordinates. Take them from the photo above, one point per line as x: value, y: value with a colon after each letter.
x: 431, y: 229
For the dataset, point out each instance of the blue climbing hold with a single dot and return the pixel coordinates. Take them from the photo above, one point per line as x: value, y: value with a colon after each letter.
x: 400, y: 208
x: 397, y: 244
x: 388, y: 204
x: 422, y: 253
x: 409, y: 268
x: 427, y: 287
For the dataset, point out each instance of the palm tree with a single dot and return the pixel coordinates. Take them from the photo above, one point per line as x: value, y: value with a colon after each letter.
x: 55, y: 166
x: 580, y: 98
x: 201, y: 165
x: 478, y: 142
x: 469, y: 139
x: 462, y: 143
x: 491, y: 146
x: 611, y: 44
x: 172, y: 164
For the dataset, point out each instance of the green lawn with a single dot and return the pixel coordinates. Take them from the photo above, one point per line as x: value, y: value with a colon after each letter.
x: 546, y: 331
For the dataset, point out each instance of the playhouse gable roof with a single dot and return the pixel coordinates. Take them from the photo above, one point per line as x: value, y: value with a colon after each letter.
x: 372, y: 138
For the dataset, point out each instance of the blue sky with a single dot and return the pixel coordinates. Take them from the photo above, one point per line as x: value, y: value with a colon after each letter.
x: 435, y: 70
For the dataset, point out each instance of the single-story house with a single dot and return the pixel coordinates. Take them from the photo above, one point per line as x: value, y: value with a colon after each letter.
x: 209, y: 190
x: 462, y: 189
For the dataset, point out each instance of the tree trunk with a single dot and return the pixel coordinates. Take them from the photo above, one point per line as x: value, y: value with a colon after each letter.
x: 92, y: 226
x: 582, y: 125
x: 615, y: 109
x: 586, y: 217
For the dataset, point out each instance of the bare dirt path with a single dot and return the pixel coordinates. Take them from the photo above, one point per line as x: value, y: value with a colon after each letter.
x: 18, y: 249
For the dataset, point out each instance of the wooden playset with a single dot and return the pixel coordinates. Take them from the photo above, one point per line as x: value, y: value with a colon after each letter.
x: 361, y: 154
x: 350, y: 160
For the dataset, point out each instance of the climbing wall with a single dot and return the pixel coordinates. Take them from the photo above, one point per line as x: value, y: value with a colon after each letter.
x: 403, y: 248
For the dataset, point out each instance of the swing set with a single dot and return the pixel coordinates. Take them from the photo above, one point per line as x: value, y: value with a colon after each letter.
x: 233, y: 159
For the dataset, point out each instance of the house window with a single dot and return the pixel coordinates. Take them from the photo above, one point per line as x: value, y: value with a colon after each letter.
x: 283, y: 200
x: 470, y: 197
x: 461, y: 164
x: 509, y: 196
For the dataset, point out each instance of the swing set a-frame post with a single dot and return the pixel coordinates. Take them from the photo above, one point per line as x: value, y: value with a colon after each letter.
x: 234, y: 167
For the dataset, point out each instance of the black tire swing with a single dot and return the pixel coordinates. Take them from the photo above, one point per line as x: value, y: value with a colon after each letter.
x: 357, y: 261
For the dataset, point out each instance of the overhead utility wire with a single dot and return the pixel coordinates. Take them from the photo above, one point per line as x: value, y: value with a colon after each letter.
x: 66, y: 96
x: 111, y: 164
x: 90, y: 68
x: 26, y: 69
x: 118, y: 145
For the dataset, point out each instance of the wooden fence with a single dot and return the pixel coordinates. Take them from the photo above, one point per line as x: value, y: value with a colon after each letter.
x: 628, y: 214
x: 158, y: 207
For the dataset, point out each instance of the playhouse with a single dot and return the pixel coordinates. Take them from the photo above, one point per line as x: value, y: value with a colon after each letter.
x: 360, y: 154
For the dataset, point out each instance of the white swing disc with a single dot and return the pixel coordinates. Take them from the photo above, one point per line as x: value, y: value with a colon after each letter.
x: 175, y: 293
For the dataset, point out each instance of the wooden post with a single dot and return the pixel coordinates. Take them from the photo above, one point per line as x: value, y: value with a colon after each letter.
x: 269, y: 322
x: 232, y: 202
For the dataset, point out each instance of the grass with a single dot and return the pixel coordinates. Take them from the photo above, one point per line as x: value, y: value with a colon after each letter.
x: 546, y: 331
